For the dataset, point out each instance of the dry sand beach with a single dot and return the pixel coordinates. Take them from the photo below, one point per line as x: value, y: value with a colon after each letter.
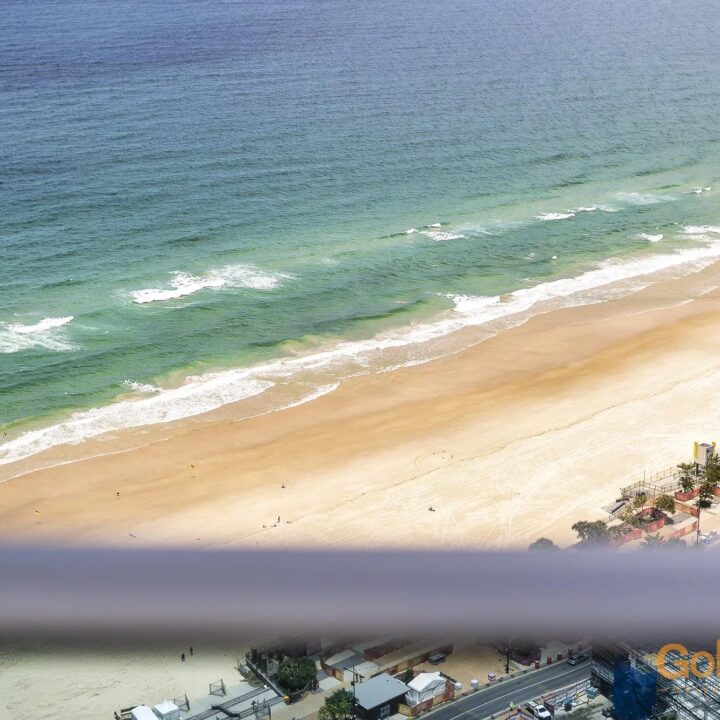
x: 95, y: 682
x: 517, y: 437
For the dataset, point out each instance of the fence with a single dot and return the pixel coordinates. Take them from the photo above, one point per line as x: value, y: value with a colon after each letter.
x: 573, y: 694
x: 665, y: 481
x: 256, y: 710
x: 263, y: 676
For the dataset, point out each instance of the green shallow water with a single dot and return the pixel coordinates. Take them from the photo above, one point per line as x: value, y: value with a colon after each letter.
x: 249, y: 171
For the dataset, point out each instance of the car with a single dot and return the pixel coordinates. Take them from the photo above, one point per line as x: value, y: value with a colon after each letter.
x: 577, y: 659
x: 539, y: 711
x: 437, y: 658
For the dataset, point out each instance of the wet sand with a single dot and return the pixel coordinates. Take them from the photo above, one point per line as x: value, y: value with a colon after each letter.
x: 517, y: 437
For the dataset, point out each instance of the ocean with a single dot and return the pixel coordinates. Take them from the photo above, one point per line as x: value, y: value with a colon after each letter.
x: 211, y: 201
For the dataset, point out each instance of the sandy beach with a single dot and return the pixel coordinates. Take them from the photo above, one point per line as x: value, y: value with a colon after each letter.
x: 35, y: 682
x: 517, y: 437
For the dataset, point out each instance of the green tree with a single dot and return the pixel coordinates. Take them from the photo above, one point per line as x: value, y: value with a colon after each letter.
x: 652, y: 542
x: 408, y: 675
x: 712, y: 471
x: 707, y: 492
x: 337, y: 706
x: 665, y: 502
x: 592, y: 534
x: 296, y: 673
x: 543, y: 543
x: 655, y: 542
x: 640, y: 500
x: 687, y: 477
x: 627, y: 516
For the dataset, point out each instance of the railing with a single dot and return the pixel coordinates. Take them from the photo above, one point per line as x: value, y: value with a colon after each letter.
x: 661, y: 482
x: 263, y: 676
x: 247, y: 712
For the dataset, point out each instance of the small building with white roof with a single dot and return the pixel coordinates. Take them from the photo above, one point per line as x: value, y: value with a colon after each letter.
x: 167, y: 711
x: 425, y: 686
x: 142, y: 712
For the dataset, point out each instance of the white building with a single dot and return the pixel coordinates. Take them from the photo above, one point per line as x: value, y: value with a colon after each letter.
x: 425, y: 686
x: 142, y: 712
x: 167, y: 711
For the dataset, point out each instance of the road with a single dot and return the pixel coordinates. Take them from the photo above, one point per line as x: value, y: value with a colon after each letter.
x: 519, y: 690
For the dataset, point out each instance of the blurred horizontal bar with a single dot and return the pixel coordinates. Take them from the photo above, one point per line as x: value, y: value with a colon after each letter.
x: 158, y: 594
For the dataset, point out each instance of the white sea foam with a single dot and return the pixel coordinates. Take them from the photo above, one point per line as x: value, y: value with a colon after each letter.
x: 440, y: 236
x: 143, y: 388
x: 701, y: 229
x: 16, y: 337
x: 546, y: 216
x: 195, y: 396
x: 231, y: 276
x: 646, y: 198
x: 42, y: 326
x: 480, y: 310
x: 700, y: 190
x: 436, y: 225
x: 651, y: 238
x: 321, y: 368
x: 593, y: 208
x: 410, y: 231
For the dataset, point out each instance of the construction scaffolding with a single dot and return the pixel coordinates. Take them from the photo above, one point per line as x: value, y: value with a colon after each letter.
x: 628, y: 674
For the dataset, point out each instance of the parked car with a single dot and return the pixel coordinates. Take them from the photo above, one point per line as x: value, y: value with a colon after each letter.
x: 437, y: 658
x: 577, y: 659
x: 539, y: 711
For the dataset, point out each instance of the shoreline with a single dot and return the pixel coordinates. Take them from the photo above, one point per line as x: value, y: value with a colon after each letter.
x: 305, y: 371
x: 362, y: 465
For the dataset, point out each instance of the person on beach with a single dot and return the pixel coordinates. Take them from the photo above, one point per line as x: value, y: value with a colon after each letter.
x: 191, y: 651
x: 182, y: 657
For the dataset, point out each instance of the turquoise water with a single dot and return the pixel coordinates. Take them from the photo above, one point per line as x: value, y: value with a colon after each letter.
x: 192, y: 187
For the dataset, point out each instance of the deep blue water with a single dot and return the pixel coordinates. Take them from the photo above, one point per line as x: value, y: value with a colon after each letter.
x: 205, y: 185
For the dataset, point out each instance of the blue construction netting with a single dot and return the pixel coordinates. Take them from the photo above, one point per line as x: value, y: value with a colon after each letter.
x: 634, y: 691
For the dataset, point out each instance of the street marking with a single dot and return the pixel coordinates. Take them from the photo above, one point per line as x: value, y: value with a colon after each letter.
x: 500, y: 697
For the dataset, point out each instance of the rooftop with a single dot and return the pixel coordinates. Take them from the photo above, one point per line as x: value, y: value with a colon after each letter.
x: 426, y: 680
x: 379, y: 690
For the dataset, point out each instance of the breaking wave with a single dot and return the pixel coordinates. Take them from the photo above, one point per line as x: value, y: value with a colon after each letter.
x: 15, y: 337
x: 231, y: 276
x: 321, y: 370
x: 546, y: 216
x: 440, y: 236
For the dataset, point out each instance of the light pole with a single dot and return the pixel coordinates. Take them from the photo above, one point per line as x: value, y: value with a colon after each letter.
x: 355, y: 676
x: 508, y: 649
